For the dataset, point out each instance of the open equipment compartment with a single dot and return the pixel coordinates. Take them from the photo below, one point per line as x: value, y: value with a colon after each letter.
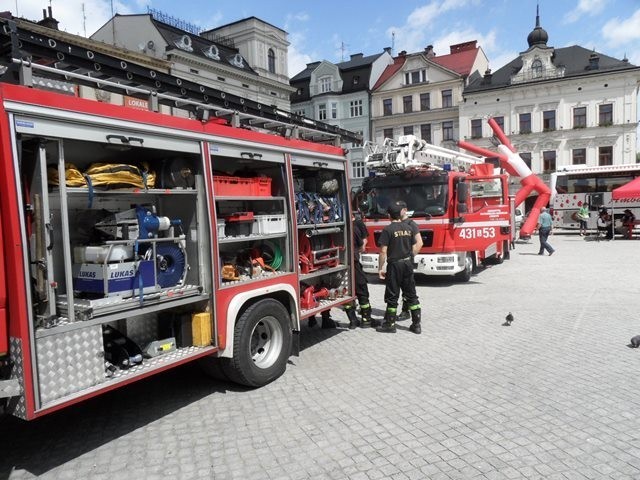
x: 119, y: 252
x: 252, y: 214
x: 323, y: 232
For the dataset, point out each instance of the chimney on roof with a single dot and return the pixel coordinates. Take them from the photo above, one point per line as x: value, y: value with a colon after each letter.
x: 403, y: 53
x: 463, y: 47
x: 48, y: 21
x: 429, y: 51
x: 594, y: 61
x: 487, y: 76
x: 356, y: 55
x: 387, y: 49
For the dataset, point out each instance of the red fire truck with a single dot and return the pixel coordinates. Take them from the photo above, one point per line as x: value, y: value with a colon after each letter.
x: 460, y: 203
x: 132, y: 242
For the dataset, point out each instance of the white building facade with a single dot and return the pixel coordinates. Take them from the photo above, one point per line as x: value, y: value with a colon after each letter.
x: 339, y: 94
x: 558, y: 106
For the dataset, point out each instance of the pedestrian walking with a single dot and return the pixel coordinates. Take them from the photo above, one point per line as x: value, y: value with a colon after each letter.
x: 397, y: 247
x: 544, y: 229
x: 362, y: 288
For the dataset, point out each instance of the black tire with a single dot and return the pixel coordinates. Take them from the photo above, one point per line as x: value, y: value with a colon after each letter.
x: 261, y: 345
x: 469, y: 265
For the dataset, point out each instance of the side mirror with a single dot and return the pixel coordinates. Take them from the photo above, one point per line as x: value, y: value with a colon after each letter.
x: 462, y: 194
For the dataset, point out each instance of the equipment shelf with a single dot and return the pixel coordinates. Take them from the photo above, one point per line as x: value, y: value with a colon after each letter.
x: 321, y: 272
x: 251, y: 238
x: 114, y: 307
x: 320, y: 225
x: 130, y: 191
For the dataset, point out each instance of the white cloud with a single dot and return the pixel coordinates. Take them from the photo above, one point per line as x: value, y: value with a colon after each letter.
x: 412, y: 36
x: 297, y: 58
x: 617, y: 32
x: 585, y: 7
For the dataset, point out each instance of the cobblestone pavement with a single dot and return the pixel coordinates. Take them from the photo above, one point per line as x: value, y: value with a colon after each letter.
x: 553, y: 396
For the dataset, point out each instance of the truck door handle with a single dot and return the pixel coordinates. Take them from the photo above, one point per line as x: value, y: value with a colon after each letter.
x: 125, y: 140
x: 50, y: 233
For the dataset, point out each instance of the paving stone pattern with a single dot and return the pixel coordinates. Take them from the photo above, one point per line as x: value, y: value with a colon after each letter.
x: 553, y: 396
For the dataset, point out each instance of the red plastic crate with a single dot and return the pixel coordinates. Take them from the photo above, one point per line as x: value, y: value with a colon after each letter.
x: 232, y: 186
x: 262, y: 186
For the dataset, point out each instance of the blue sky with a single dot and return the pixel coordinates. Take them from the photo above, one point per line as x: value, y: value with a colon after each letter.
x: 333, y: 30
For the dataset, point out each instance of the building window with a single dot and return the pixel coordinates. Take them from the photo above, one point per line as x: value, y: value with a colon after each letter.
x: 526, y: 156
x: 322, y: 111
x: 408, y: 130
x: 386, y: 107
x: 579, y: 156
x: 525, y: 123
x: 536, y: 69
x: 447, y: 99
x: 334, y: 110
x: 358, y: 144
x: 356, y: 79
x: 476, y: 128
x: 425, y: 132
x: 271, y: 61
x: 549, y: 161
x: 548, y: 120
x: 447, y: 130
x: 580, y: 117
x: 299, y: 112
x: 605, y: 117
x: 500, y: 122
x: 358, y: 170
x: 418, y: 76
x: 325, y: 84
x: 387, y: 133
x: 605, y: 156
x: 425, y: 102
x: 407, y: 103
x: 355, y: 108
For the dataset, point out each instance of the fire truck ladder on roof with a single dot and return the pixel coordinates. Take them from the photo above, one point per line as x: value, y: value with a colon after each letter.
x: 411, y: 152
x: 23, y: 50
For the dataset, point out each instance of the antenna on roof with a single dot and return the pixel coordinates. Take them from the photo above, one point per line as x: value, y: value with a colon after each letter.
x: 393, y: 43
x: 343, y: 47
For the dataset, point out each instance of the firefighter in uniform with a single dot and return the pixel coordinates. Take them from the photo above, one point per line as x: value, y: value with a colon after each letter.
x: 405, y: 314
x: 398, y: 244
x: 362, y: 289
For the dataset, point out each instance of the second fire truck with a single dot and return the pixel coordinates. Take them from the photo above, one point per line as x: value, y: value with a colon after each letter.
x: 460, y: 203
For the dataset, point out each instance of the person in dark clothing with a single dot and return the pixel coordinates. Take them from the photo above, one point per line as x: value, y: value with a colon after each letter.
x: 397, y: 247
x: 327, y: 321
x: 362, y: 289
x: 405, y: 314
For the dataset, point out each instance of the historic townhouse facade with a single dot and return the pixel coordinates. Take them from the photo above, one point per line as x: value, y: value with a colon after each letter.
x: 339, y: 94
x: 420, y: 94
x: 559, y: 106
x: 211, y: 58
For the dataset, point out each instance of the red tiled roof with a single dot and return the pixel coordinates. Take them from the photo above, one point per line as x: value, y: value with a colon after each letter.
x: 390, y: 71
x: 460, y: 62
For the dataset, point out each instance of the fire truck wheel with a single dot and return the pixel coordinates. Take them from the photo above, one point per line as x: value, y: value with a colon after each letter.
x: 465, y: 275
x: 262, y: 345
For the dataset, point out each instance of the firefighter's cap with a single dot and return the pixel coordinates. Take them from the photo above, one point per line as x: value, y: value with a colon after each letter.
x: 396, y: 207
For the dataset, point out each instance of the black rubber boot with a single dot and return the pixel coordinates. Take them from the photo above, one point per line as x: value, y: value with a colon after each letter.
x: 327, y: 321
x: 366, y: 317
x: 415, y: 321
x: 389, y: 323
x: 312, y: 321
x: 353, y: 318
